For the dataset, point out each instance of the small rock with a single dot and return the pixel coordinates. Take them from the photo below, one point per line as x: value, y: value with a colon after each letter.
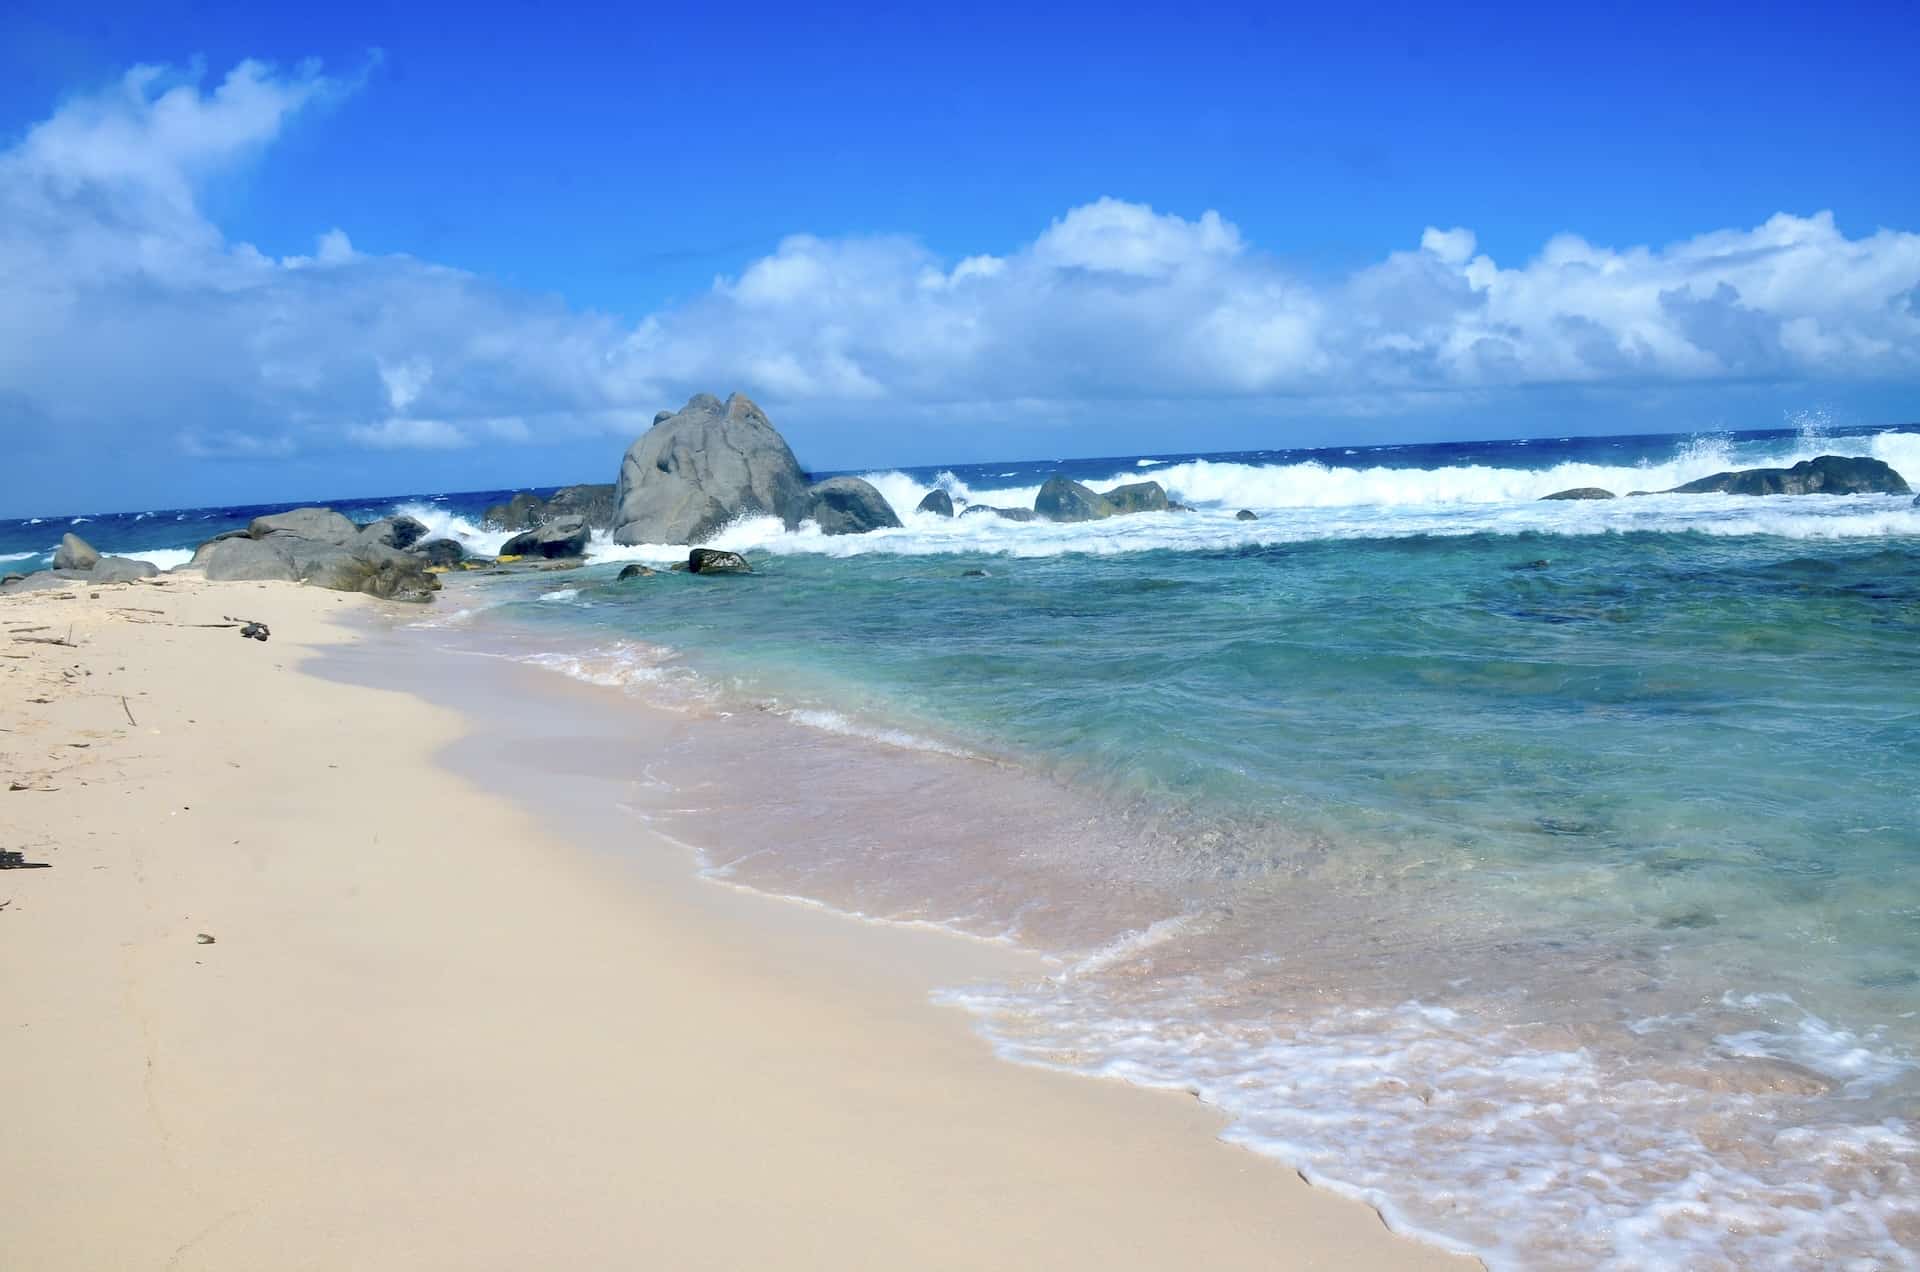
x: 1246, y: 514
x: 634, y: 571
x: 1579, y: 492
x: 203, y: 938
x: 937, y: 502
x: 973, y: 574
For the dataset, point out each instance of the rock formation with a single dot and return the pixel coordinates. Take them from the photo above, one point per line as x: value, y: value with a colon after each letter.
x: 566, y: 537
x: 593, y: 504
x: 937, y: 502
x: 1827, y: 475
x: 847, y: 505
x: 1063, y: 499
x: 695, y: 471
x: 319, y: 546
x: 1579, y: 492
x: 74, y: 553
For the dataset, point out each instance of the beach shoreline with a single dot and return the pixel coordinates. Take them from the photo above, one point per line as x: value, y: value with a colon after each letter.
x: 436, y: 1027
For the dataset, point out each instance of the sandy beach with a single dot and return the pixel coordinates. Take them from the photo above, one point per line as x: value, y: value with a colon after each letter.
x: 433, y: 1029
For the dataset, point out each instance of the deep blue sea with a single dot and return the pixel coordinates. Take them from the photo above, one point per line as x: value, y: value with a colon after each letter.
x: 1546, y: 873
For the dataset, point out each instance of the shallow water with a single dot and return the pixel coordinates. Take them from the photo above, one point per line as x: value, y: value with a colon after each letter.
x: 1547, y: 873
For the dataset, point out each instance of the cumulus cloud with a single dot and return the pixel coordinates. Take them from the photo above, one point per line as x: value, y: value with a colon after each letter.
x: 121, y: 301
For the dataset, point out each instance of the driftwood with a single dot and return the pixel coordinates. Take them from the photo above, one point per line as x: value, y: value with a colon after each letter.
x: 45, y: 640
x: 18, y: 861
x: 129, y: 710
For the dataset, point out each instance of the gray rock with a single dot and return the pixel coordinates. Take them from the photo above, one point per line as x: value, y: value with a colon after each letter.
x: 323, y: 525
x: 1579, y: 492
x: 440, y: 552
x: 394, y: 532
x: 634, y: 571
x: 565, y: 537
x: 694, y: 472
x: 973, y: 574
x: 74, y: 553
x: 1246, y: 514
x: 715, y: 561
x: 1138, y: 496
x: 1010, y: 514
x: 229, y: 560
x: 847, y: 505
x: 1827, y: 475
x: 115, y: 569
x: 1063, y: 499
x: 660, y: 416
x: 11, y: 578
x: 937, y: 502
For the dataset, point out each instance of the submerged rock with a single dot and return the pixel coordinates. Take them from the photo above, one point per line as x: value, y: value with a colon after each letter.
x: 1827, y: 475
x: 973, y: 574
x: 697, y: 470
x: 566, y: 537
x: 634, y: 571
x: 1579, y: 492
x: 1063, y: 499
x: 937, y: 502
x: 1139, y: 496
x: 1010, y: 514
x: 716, y: 561
x: 847, y: 505
x: 74, y: 553
x: 1246, y: 514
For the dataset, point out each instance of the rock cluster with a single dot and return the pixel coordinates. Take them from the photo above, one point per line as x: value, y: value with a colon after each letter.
x: 76, y: 559
x: 321, y: 547
x: 1827, y: 475
x: 593, y: 504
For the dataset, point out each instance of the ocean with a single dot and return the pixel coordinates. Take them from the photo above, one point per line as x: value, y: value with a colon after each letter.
x: 1547, y: 874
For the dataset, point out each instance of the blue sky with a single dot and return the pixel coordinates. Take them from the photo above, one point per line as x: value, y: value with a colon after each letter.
x: 382, y: 248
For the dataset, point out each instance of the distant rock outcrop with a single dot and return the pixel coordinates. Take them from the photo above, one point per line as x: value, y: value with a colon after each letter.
x: 1827, y: 475
x: 1579, y: 492
x: 74, y: 553
x: 695, y: 471
x: 938, y: 502
x: 847, y: 505
x: 1246, y: 514
x: 593, y: 504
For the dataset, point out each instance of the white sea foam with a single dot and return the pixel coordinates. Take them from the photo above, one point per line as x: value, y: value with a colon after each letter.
x: 561, y: 594
x: 20, y: 556
x: 1313, y: 501
x: 441, y: 524
x: 1859, y: 1063
x: 163, y: 558
x: 834, y: 722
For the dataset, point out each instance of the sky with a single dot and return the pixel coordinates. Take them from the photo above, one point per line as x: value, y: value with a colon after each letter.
x: 256, y: 252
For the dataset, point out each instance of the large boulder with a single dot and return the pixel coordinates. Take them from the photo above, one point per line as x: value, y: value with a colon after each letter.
x: 847, y: 505
x: 695, y: 471
x: 937, y: 502
x: 1010, y: 514
x: 566, y: 537
x: 1827, y: 475
x: 1579, y: 492
x: 74, y: 553
x: 228, y: 560
x: 394, y: 532
x: 1138, y: 496
x: 321, y: 524
x: 440, y: 552
x: 1063, y: 499
x: 113, y: 569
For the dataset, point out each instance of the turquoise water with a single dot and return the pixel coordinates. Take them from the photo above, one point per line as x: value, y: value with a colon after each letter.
x: 1546, y: 873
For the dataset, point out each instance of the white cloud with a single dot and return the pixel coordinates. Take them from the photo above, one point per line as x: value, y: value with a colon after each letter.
x: 122, y: 306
